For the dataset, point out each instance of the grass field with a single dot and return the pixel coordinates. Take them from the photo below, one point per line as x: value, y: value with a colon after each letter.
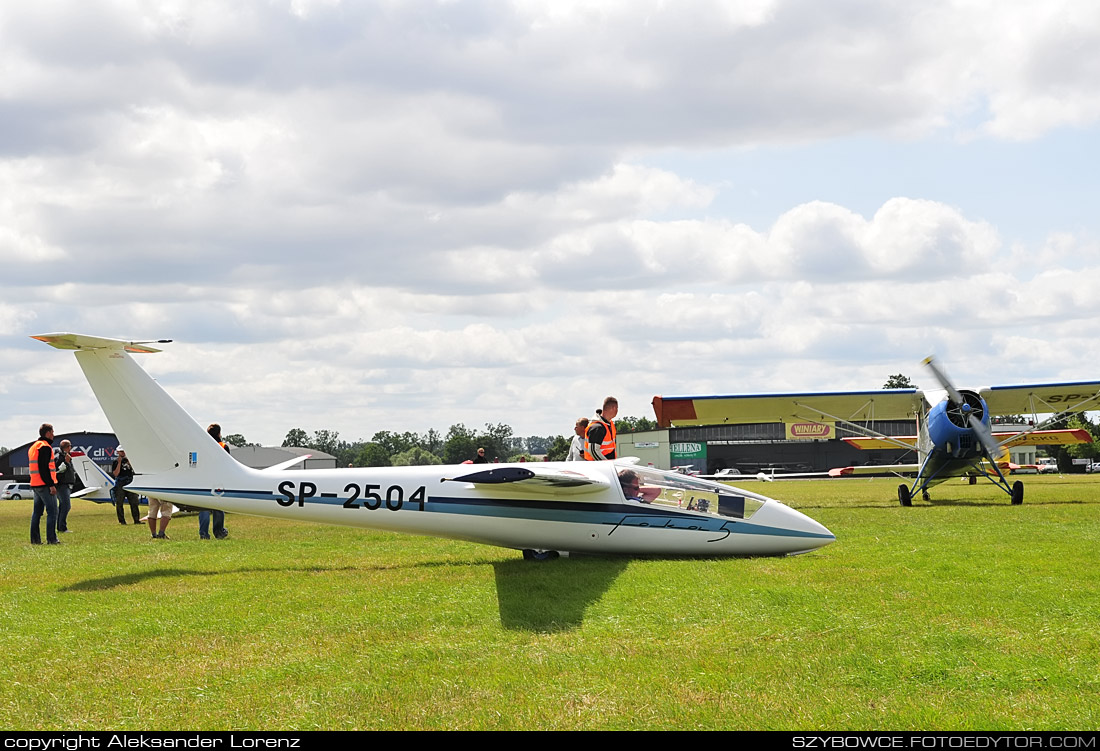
x: 963, y: 614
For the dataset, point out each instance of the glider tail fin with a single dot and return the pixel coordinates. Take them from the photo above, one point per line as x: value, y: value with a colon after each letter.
x: 156, y: 432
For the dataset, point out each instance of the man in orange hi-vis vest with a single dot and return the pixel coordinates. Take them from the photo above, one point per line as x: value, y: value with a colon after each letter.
x: 44, y: 484
x: 599, y: 444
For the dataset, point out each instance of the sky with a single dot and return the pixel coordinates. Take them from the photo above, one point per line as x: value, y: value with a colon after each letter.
x: 364, y: 216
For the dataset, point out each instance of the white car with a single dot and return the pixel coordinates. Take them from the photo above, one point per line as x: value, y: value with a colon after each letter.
x: 1047, y: 465
x: 14, y: 491
x: 1094, y: 467
x: 728, y: 472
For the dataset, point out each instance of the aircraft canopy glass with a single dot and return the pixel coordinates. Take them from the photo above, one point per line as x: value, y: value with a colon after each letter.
x: 683, y: 492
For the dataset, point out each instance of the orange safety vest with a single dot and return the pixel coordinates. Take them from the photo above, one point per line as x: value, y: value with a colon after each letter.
x: 37, y: 481
x: 607, y: 448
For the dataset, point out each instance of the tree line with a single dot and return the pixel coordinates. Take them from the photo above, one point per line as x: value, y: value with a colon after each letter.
x: 389, y: 448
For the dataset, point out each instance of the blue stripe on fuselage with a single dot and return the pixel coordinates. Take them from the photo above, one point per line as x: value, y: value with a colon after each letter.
x: 575, y: 512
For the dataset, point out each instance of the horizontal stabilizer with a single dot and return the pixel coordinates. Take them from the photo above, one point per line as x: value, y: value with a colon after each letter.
x: 287, y: 464
x: 82, y: 341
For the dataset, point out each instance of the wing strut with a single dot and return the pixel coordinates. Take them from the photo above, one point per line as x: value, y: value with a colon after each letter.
x: 851, y: 425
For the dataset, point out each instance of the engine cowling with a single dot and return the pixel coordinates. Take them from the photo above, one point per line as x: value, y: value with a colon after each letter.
x: 949, y: 424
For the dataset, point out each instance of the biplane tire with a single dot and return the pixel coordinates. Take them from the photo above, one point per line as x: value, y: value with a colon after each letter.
x: 1017, y: 493
x: 904, y: 495
x: 539, y: 555
x: 925, y: 496
x: 973, y: 479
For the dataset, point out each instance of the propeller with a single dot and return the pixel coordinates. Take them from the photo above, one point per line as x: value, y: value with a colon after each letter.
x: 965, y: 409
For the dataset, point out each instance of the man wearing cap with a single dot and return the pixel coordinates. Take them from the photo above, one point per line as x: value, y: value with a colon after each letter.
x: 66, y: 477
x: 123, y: 472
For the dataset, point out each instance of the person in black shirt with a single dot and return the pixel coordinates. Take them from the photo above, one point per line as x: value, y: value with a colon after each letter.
x: 123, y: 472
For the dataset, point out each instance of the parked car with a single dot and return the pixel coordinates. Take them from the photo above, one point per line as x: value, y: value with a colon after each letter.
x: 1047, y: 465
x: 14, y: 491
x: 1094, y: 467
x: 728, y: 472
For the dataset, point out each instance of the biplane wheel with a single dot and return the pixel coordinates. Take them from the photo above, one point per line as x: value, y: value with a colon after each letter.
x: 904, y: 495
x: 1017, y: 493
x: 539, y: 555
x: 925, y: 496
x: 973, y: 479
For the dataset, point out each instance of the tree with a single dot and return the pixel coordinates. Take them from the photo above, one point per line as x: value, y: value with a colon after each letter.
x: 538, y: 444
x: 433, y: 441
x: 1084, y: 450
x: 325, y: 440
x: 496, y: 440
x: 395, y: 443
x: 238, y: 440
x: 634, y: 424
x: 559, y: 449
x: 416, y: 456
x: 296, y: 438
x: 461, y: 444
x: 898, y: 381
x: 372, y: 455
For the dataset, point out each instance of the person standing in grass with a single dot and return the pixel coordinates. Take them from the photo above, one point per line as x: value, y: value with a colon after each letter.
x: 123, y: 472
x: 220, y: 532
x: 44, y: 485
x: 163, y: 510
x: 66, y: 477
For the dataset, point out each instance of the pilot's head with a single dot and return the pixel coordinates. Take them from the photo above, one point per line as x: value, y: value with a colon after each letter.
x: 631, y: 483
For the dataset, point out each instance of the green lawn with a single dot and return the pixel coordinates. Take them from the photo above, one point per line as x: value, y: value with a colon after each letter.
x: 966, y: 613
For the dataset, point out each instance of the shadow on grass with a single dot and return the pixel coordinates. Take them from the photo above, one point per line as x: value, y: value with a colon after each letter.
x: 123, y: 580
x: 552, y: 595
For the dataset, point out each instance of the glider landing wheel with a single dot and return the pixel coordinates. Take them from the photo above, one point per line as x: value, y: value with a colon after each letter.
x: 904, y: 496
x: 539, y: 555
x: 1017, y: 493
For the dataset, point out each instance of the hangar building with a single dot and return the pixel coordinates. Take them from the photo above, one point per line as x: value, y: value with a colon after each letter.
x: 101, y: 448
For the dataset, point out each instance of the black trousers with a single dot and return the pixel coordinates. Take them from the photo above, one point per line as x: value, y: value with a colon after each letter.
x: 120, y: 496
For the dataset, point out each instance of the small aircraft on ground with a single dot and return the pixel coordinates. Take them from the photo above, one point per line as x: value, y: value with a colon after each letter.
x: 540, y: 508
x: 954, y: 437
x: 98, y: 484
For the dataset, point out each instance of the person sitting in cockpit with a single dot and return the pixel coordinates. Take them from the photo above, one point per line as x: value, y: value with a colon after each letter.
x: 632, y: 484
x: 632, y: 487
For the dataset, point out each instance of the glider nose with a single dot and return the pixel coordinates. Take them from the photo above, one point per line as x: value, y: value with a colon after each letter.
x: 804, y: 533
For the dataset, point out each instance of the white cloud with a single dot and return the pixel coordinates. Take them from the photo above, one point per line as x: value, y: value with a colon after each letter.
x: 366, y: 216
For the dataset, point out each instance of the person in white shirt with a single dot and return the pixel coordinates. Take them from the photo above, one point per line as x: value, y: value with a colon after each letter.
x: 576, y: 447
